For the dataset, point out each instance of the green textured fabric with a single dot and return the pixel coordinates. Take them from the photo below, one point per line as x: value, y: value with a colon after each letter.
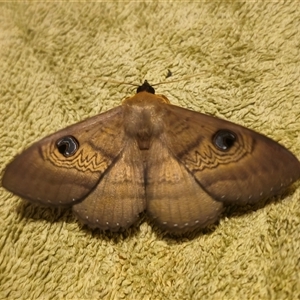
x: 54, y: 59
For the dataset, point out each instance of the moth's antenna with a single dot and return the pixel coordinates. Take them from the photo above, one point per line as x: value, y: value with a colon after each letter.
x: 155, y: 84
x: 104, y: 79
x: 177, y: 80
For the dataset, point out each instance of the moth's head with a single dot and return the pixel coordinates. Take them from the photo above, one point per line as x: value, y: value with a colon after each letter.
x: 145, y: 87
x: 145, y: 95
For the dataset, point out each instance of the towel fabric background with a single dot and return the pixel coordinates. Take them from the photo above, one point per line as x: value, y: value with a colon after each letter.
x: 53, y: 59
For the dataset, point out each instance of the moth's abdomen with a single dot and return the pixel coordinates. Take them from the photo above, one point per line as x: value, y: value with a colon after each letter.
x: 143, y: 123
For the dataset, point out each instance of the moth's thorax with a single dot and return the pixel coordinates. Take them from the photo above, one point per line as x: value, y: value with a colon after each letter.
x: 143, y: 115
x: 145, y: 98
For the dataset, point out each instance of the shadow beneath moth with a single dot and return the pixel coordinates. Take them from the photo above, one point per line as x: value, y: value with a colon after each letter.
x: 180, y: 166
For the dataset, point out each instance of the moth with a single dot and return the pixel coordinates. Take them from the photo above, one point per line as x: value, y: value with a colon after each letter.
x: 181, y: 167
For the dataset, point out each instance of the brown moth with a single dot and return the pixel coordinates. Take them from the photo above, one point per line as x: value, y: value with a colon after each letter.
x: 180, y: 166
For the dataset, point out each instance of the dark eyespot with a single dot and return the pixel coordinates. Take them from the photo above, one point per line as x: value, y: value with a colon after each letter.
x: 224, y: 139
x: 67, y: 145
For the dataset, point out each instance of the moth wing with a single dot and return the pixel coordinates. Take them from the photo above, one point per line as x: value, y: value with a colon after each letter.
x: 175, y: 200
x: 119, y: 197
x: 253, y: 167
x: 43, y: 174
